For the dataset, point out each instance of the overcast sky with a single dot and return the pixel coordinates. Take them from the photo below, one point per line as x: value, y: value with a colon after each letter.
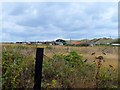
x: 48, y: 21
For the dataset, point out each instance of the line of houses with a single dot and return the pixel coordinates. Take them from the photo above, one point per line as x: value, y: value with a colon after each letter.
x: 57, y: 42
x: 75, y: 43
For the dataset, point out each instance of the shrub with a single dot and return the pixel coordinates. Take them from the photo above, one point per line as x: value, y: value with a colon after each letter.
x: 15, y: 72
x: 73, y: 59
x: 67, y: 70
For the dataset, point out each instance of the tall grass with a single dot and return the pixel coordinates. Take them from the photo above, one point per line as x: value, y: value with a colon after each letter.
x: 61, y: 69
x: 71, y: 71
x: 17, y: 67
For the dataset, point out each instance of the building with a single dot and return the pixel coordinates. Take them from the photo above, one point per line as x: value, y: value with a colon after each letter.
x: 49, y: 43
x: 21, y: 42
x: 115, y: 44
x: 75, y: 43
x: 60, y: 42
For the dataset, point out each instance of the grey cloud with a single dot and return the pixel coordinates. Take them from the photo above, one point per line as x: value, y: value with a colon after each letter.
x: 51, y: 20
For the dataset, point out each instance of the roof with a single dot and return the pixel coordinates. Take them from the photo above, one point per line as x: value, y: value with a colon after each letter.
x: 116, y: 44
x: 75, y: 43
x: 60, y: 40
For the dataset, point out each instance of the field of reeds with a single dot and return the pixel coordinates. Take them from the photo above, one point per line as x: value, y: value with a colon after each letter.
x: 63, y: 66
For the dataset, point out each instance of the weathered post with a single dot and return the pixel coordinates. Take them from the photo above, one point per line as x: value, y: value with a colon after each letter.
x: 38, y: 68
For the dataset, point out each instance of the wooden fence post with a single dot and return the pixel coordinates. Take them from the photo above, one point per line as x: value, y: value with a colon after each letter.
x: 38, y: 68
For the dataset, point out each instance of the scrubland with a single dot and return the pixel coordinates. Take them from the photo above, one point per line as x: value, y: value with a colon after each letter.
x: 63, y: 66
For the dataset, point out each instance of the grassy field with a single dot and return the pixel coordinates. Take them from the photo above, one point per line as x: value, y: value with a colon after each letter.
x: 111, y: 56
x: 63, y: 66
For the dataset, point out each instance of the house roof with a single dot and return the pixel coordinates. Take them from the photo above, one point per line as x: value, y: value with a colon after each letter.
x: 75, y: 43
x: 60, y: 40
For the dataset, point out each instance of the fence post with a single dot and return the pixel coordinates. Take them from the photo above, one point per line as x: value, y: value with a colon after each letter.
x: 38, y: 68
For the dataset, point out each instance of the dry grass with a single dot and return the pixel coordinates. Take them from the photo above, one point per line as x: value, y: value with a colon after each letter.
x: 111, y: 57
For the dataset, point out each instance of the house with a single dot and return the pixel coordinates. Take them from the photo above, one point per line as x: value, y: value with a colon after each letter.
x: 33, y: 42
x: 88, y: 44
x: 18, y: 42
x: 75, y: 43
x: 49, y: 43
x: 40, y: 43
x: 60, y: 42
x: 115, y: 44
x: 21, y: 42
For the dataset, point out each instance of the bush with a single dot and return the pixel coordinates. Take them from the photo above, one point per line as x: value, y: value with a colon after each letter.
x: 60, y: 71
x: 15, y: 72
x: 67, y: 70
x: 71, y: 71
x: 73, y: 59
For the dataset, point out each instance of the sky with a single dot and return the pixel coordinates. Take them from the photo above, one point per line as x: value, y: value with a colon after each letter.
x: 47, y: 21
